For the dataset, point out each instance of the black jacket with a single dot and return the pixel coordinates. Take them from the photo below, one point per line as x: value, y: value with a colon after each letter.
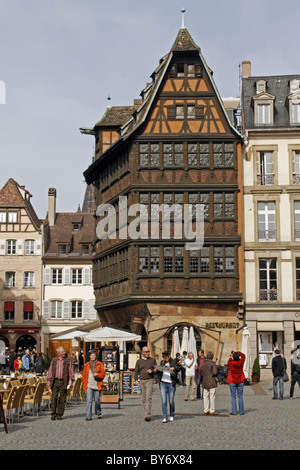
x: 295, y: 368
x: 278, y: 366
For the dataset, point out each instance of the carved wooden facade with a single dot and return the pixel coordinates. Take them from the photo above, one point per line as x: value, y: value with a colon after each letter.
x: 177, y: 146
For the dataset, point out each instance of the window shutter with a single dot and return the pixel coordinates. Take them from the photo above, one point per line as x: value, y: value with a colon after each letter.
x: 87, y: 276
x: 67, y: 276
x: 38, y: 250
x: 86, y: 309
x: 46, y: 308
x: 171, y: 112
x: 199, y: 112
x: 93, y: 311
x: 47, y: 273
x: 19, y: 247
x: 2, y: 247
x: 198, y: 71
x: 66, y: 310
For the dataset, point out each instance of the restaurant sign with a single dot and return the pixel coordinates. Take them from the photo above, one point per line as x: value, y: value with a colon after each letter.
x: 225, y: 325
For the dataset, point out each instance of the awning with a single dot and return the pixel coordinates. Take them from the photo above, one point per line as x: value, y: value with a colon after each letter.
x: 28, y: 306
x: 9, y: 306
x: 297, y: 325
x: 269, y: 326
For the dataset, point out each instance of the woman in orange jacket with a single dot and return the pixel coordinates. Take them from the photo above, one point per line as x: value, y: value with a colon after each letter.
x: 92, y: 380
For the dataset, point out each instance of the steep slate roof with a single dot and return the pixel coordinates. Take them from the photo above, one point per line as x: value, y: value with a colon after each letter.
x: 63, y: 232
x: 278, y: 86
x: 13, y: 195
x: 183, y: 44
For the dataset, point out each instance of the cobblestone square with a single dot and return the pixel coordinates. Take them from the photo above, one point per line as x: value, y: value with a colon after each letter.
x: 266, y: 425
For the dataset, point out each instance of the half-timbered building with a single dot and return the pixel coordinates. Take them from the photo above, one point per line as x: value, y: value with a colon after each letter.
x: 174, y: 146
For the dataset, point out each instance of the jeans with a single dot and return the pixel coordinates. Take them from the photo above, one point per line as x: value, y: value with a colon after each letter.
x: 179, y: 377
x: 91, y: 395
x: 199, y: 381
x: 167, y: 390
x: 237, y: 389
x: 275, y: 382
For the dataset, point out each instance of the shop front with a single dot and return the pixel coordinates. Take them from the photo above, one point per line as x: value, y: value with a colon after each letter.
x: 267, y: 336
x: 24, y: 338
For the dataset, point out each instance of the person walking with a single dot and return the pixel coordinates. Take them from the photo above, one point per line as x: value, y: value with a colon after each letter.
x: 92, y: 381
x: 295, y: 373
x: 208, y: 370
x: 167, y: 373
x: 60, y: 376
x: 236, y: 378
x: 190, y: 365
x: 144, y: 376
x: 198, y: 376
x: 278, y: 369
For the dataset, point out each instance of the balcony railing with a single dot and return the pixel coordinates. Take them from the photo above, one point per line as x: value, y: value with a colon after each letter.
x: 265, y: 180
x: 296, y: 178
x: 267, y: 235
x: 268, y: 295
x: 297, y: 235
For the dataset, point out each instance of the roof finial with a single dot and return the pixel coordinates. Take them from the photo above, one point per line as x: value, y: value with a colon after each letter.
x: 182, y: 23
x: 108, y: 99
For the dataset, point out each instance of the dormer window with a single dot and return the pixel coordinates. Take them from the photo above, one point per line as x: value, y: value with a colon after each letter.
x: 294, y: 85
x: 263, y: 113
x: 263, y: 109
x: 260, y: 86
x: 294, y: 101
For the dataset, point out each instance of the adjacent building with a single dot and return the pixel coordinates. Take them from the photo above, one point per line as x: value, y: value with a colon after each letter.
x: 271, y: 178
x: 68, y: 294
x: 20, y: 268
x: 177, y: 147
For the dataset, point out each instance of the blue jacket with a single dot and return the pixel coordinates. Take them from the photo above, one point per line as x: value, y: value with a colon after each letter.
x: 26, y: 362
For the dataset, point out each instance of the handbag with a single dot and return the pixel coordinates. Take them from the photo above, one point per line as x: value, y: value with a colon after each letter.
x: 285, y: 375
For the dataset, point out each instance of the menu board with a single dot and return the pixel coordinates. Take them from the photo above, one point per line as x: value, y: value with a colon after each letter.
x: 109, y: 356
x: 126, y: 383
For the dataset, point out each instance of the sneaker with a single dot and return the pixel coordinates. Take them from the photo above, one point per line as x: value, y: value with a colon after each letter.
x: 164, y: 420
x: 171, y: 418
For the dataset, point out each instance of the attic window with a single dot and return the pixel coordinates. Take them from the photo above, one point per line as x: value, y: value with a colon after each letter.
x: 294, y: 85
x: 261, y: 86
x: 76, y: 226
x: 186, y: 70
x: 62, y: 250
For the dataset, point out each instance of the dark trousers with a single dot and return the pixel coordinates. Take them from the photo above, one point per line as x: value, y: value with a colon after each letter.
x: 294, y: 379
x: 59, y: 395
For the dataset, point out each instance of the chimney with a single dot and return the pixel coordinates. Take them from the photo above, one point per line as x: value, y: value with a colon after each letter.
x: 51, y: 206
x: 246, y: 68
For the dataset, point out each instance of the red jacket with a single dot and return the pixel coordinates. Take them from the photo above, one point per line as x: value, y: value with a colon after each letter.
x: 236, y: 374
x: 100, y: 373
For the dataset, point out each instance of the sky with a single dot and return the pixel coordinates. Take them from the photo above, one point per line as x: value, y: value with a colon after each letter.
x: 61, y: 59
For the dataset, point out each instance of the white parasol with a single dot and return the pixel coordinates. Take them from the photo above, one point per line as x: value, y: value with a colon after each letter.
x: 185, y: 341
x: 176, y: 342
x: 192, y: 343
x: 245, y: 348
